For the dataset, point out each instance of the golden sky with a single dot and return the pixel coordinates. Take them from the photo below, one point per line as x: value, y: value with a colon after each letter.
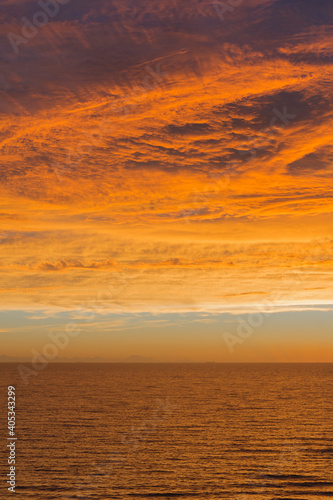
x: 166, y: 157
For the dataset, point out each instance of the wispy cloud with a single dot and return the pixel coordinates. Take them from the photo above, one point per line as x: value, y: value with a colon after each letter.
x: 150, y: 141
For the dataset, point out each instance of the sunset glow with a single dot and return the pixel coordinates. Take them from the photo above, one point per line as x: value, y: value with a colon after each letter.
x: 166, y: 165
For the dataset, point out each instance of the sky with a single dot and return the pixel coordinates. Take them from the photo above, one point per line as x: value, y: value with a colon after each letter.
x: 166, y: 179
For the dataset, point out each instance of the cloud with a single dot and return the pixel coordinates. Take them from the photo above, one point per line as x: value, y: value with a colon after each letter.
x: 150, y: 273
x: 153, y: 140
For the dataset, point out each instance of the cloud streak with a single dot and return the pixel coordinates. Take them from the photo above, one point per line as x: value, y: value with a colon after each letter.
x: 149, y: 139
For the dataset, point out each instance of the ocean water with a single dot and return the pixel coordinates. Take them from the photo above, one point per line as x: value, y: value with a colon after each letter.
x: 187, y: 431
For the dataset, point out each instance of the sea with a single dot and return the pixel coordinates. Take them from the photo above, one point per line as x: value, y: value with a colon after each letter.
x: 170, y: 431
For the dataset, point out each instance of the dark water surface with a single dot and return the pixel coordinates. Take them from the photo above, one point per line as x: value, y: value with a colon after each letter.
x: 203, y: 431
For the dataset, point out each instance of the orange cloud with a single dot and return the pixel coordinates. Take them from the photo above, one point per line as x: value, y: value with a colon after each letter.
x: 150, y: 141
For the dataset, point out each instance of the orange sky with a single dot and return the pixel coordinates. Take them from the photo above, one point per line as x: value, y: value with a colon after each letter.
x: 155, y: 145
